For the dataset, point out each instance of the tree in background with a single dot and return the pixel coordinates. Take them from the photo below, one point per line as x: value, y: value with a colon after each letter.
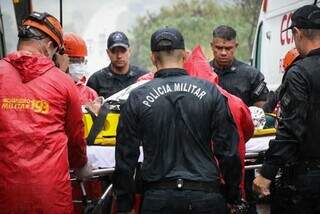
x: 196, y: 19
x: 250, y: 11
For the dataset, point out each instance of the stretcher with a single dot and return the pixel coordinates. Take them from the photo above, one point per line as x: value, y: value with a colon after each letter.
x: 88, y: 204
x: 107, y: 133
x: 102, y: 153
x: 91, y: 204
x: 103, y: 158
x: 107, y: 136
x: 256, y: 147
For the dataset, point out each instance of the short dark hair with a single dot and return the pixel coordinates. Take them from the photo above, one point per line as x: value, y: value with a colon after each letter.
x: 172, y: 55
x: 224, y: 32
x: 311, y: 33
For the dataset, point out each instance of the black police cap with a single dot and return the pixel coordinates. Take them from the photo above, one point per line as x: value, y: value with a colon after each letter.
x: 306, y: 17
x: 167, y: 39
x: 118, y: 39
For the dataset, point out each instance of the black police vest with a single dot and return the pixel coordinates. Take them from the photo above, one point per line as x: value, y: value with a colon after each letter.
x: 310, y: 148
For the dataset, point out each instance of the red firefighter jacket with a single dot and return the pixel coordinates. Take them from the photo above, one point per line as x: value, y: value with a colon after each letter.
x: 86, y: 93
x: 41, y: 135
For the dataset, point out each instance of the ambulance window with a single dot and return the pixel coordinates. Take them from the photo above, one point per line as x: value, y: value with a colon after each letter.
x: 257, y: 62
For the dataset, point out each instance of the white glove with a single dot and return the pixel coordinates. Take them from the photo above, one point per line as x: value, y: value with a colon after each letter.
x: 85, y: 172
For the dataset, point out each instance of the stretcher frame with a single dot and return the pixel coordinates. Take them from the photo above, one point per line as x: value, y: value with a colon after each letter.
x: 91, y: 207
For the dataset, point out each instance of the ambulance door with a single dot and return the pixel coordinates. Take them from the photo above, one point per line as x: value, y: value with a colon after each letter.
x: 2, y: 44
x: 271, y: 43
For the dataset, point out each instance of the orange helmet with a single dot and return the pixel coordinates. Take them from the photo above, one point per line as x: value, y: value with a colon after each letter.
x: 47, y: 24
x: 290, y: 57
x: 74, y: 45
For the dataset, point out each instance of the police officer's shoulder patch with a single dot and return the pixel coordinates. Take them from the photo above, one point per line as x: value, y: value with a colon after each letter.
x: 259, y: 89
x: 286, y: 100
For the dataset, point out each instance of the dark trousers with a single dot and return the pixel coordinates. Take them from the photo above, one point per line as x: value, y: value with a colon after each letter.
x: 250, y: 195
x: 167, y: 201
x: 299, y: 196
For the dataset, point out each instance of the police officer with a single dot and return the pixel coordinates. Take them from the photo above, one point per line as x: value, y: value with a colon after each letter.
x: 239, y: 79
x: 176, y: 118
x: 236, y: 77
x: 120, y: 73
x: 296, y: 148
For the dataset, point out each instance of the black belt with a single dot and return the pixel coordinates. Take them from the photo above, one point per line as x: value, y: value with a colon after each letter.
x: 181, y: 184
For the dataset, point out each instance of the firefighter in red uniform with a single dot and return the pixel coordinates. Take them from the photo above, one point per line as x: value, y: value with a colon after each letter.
x: 41, y: 132
x: 75, y: 47
x: 76, y: 50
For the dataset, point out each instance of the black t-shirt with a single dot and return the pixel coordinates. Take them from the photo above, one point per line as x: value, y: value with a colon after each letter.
x: 106, y: 83
x: 242, y: 80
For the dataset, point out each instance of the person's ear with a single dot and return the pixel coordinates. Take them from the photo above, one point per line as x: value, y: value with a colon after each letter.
x: 50, y: 49
x: 212, y: 45
x: 185, y: 55
x: 49, y: 45
x: 237, y: 44
x: 153, y: 59
x: 188, y: 53
x: 108, y: 52
x: 129, y: 51
x: 297, y: 32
